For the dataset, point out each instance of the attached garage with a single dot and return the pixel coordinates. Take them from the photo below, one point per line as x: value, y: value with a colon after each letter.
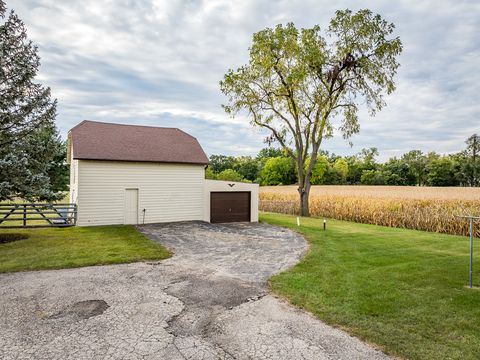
x: 229, y: 201
x: 128, y: 174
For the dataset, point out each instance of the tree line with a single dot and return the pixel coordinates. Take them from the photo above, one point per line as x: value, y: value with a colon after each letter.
x: 273, y: 166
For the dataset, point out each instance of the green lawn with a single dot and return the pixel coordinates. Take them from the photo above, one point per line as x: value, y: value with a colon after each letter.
x: 58, y: 248
x: 403, y: 290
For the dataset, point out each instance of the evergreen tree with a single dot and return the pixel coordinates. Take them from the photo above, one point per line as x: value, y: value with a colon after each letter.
x: 27, y: 115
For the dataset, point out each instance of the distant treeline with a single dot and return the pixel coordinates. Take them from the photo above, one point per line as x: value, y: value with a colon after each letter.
x: 272, y: 167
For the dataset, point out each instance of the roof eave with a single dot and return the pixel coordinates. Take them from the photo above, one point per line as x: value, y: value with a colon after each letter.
x: 146, y: 161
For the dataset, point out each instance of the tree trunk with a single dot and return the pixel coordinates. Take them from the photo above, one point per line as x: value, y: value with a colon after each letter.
x: 304, y: 192
x: 304, y: 209
x: 474, y: 153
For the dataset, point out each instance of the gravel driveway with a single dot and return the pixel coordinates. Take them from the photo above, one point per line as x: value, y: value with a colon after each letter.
x: 209, y: 301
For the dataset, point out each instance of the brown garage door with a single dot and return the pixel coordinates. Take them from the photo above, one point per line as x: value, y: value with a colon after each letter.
x: 229, y: 206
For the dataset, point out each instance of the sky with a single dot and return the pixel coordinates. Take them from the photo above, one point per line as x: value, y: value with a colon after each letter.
x: 159, y: 63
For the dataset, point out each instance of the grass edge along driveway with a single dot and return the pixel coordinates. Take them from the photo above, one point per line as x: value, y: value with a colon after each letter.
x: 403, y: 290
x: 61, y: 248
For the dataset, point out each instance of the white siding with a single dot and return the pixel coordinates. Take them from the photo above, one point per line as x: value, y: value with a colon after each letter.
x: 168, y: 192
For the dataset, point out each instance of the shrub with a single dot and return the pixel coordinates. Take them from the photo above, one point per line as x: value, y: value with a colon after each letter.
x: 229, y: 175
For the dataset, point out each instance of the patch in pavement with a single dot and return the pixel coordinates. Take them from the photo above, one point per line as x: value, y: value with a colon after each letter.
x: 83, y: 309
x: 204, y: 299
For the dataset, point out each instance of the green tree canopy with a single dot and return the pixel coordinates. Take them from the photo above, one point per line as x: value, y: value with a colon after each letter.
x: 278, y: 171
x: 269, y: 152
x: 473, y: 151
x: 417, y: 165
x: 372, y: 177
x: 229, y: 175
x: 442, y: 171
x: 301, y: 85
x: 319, y: 170
x: 341, y: 167
x: 247, y: 167
x: 218, y: 163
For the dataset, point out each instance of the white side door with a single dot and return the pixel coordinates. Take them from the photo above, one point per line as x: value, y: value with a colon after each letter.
x: 131, y: 206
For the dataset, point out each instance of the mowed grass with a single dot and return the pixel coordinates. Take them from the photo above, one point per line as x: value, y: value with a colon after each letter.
x: 403, y: 290
x: 59, y: 248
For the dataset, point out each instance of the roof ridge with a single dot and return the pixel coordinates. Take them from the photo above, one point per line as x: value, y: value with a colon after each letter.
x: 80, y: 123
x: 132, y: 125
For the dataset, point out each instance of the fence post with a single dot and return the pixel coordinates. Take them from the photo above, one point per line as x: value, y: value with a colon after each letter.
x: 471, y: 220
x: 471, y: 253
x: 75, y: 207
x: 24, y: 215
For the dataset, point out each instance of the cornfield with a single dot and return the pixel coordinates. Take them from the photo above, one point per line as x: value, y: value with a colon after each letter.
x: 429, y: 209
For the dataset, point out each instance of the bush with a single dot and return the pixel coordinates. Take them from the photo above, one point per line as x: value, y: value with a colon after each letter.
x: 210, y: 174
x: 229, y: 175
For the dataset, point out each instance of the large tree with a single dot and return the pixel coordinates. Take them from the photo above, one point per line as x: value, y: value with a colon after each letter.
x: 417, y: 164
x: 473, y: 151
x: 301, y: 85
x: 27, y: 115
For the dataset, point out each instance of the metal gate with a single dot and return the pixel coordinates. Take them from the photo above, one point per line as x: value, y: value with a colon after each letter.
x: 37, y: 215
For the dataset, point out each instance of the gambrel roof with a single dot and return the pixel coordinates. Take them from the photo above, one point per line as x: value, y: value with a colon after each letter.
x: 92, y: 140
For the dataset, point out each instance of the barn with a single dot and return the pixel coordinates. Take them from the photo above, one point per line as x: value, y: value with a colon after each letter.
x: 130, y: 174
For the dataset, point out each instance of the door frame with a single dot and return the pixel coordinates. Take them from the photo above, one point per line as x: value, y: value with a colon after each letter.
x: 233, y: 192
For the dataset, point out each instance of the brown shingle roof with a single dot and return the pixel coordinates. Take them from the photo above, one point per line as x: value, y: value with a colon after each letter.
x: 94, y: 140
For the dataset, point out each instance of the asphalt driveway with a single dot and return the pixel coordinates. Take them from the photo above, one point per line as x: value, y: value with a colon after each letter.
x: 209, y: 301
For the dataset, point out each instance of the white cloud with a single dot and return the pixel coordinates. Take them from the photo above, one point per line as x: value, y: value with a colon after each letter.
x: 159, y: 62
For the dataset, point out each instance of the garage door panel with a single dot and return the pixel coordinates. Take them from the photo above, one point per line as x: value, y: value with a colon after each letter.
x: 229, y: 206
